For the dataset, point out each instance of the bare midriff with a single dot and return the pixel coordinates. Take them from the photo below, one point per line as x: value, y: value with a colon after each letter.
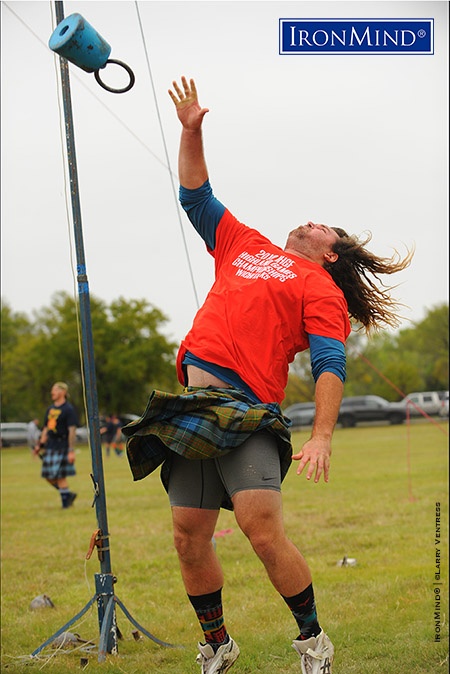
x: 202, y: 379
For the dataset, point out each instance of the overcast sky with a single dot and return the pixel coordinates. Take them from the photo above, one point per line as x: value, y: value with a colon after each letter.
x: 358, y: 142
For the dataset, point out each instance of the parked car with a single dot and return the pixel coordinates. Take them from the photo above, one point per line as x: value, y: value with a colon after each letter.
x: 82, y: 435
x: 13, y: 433
x: 429, y: 402
x: 301, y: 414
x: 443, y: 412
x: 369, y: 408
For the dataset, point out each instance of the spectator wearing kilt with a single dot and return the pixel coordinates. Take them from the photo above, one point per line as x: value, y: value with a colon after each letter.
x: 56, y: 444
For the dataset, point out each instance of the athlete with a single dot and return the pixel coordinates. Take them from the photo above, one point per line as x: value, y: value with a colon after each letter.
x: 224, y: 442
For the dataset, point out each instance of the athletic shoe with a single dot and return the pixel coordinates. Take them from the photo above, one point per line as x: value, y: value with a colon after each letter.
x: 71, y: 499
x: 217, y: 662
x: 316, y: 654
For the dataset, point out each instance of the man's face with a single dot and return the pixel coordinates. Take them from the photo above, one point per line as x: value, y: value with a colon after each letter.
x: 57, y: 393
x: 313, y: 241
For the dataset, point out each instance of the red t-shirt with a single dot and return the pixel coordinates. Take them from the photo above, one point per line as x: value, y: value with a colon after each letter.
x: 261, y: 308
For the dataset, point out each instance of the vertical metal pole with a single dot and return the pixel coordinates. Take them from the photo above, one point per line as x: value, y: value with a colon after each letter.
x: 87, y: 347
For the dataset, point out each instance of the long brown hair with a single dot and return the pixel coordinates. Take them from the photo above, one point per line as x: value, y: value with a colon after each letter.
x: 369, y: 299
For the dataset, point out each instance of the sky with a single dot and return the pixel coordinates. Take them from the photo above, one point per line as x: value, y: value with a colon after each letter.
x: 358, y: 142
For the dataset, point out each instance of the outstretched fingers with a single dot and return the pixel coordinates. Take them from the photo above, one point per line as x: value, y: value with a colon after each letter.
x: 188, y: 109
x: 190, y: 91
x: 179, y: 94
x: 193, y: 88
x: 316, y: 464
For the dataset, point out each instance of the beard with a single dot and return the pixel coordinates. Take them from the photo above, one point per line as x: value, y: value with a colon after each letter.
x: 297, y: 235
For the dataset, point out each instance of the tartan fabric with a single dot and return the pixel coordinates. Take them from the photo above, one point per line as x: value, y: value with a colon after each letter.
x: 55, y: 464
x: 200, y: 424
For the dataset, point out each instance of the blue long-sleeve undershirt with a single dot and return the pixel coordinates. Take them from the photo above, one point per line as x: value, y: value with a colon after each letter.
x: 327, y: 355
x: 203, y: 210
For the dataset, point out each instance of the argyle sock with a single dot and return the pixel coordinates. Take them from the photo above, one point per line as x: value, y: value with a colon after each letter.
x: 208, y: 608
x: 65, y: 496
x: 303, y: 609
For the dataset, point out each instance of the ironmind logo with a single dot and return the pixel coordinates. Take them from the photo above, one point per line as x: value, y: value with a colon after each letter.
x: 356, y: 36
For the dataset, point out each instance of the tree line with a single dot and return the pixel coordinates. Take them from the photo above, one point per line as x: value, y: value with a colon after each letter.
x: 132, y: 357
x: 388, y: 364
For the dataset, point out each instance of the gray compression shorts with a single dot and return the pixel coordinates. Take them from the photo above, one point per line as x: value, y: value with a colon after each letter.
x: 203, y: 483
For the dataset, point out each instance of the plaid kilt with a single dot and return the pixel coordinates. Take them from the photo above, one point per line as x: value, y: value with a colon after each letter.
x: 55, y: 464
x: 200, y: 424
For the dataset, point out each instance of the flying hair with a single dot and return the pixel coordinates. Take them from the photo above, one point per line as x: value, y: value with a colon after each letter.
x: 356, y: 271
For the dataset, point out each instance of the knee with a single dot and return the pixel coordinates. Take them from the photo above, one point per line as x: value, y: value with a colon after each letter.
x: 264, y: 543
x: 181, y: 541
x: 190, y: 544
x: 266, y: 535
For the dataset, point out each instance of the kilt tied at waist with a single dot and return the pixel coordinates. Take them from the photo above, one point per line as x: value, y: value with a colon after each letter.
x: 55, y: 462
x: 200, y: 424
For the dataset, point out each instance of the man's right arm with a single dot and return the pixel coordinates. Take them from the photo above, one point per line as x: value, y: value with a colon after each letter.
x: 41, y: 440
x: 203, y: 210
x: 192, y: 168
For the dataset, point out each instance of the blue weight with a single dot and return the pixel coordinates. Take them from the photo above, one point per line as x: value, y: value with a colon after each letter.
x: 78, y: 42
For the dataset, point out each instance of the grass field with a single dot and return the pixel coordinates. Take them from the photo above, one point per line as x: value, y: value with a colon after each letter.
x: 379, y: 507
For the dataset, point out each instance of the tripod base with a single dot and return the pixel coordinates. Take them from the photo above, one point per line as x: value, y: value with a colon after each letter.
x: 106, y: 605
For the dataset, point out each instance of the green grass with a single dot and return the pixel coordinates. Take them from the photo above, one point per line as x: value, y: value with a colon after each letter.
x: 378, y: 507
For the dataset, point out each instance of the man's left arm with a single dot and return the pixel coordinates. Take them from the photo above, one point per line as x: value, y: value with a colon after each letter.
x: 317, y: 450
x: 72, y: 435
x: 328, y: 367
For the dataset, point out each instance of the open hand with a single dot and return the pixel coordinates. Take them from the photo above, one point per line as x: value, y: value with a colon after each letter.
x: 186, y: 102
x: 317, y: 453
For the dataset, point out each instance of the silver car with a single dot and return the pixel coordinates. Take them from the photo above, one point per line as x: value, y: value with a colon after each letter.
x: 443, y: 412
x: 13, y: 433
x: 301, y: 414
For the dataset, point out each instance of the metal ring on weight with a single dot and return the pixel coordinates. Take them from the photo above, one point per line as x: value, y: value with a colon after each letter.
x: 116, y: 91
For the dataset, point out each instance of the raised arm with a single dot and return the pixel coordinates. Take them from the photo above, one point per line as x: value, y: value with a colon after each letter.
x: 192, y: 169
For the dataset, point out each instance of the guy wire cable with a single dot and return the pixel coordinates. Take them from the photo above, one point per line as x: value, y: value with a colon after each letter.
x: 92, y: 92
x: 118, y: 119
x: 135, y: 136
x: 166, y: 154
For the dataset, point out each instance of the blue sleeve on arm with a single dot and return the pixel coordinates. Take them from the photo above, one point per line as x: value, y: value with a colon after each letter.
x: 203, y: 210
x: 327, y: 355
